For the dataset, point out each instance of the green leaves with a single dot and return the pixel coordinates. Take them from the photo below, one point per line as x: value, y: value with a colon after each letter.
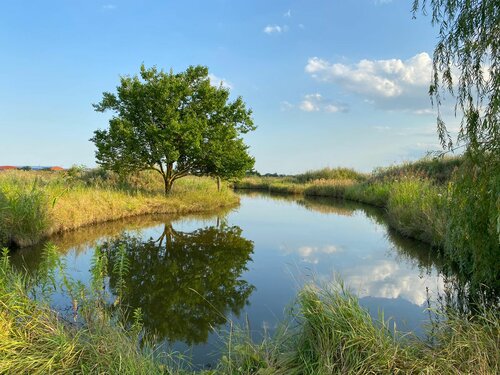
x: 466, y: 63
x: 176, y: 124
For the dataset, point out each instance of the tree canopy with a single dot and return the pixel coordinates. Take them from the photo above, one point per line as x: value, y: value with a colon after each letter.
x: 176, y: 124
x: 466, y: 64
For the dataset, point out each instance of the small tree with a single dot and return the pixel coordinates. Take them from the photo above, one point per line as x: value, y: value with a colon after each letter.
x: 175, y: 124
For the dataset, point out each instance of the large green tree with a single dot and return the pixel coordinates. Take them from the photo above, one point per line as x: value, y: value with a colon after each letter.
x: 175, y: 124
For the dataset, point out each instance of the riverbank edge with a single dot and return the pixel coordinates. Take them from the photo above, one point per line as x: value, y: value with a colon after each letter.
x: 414, y: 207
x: 49, y: 213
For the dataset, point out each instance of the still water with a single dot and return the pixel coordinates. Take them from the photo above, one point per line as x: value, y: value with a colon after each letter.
x: 190, y: 274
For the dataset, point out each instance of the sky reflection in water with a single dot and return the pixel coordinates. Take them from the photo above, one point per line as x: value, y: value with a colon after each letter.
x: 188, y: 273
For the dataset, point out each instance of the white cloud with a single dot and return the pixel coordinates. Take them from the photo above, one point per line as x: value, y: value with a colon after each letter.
x: 288, y: 13
x: 316, y: 102
x: 109, y: 7
x: 275, y: 29
x: 310, y: 103
x: 272, y: 29
x: 388, y: 279
x: 389, y: 84
x: 216, y: 81
x: 424, y: 111
x: 312, y: 254
x: 332, y: 108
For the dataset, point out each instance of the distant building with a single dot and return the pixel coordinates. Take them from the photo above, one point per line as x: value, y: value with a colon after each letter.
x: 29, y: 168
x: 7, y: 167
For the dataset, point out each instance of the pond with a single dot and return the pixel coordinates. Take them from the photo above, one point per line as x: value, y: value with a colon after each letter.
x: 191, y: 275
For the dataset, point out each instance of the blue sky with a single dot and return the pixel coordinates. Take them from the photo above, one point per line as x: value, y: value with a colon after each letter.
x: 331, y: 83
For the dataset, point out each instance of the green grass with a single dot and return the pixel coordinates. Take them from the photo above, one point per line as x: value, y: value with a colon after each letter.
x: 418, y: 209
x: 413, y: 194
x: 34, y: 205
x: 451, y: 203
x: 329, y: 174
x: 330, y: 333
x: 327, y: 332
x: 24, y: 214
x: 35, y: 340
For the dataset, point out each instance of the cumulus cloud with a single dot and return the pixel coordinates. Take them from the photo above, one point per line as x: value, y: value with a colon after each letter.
x: 216, y: 81
x: 387, y: 279
x: 390, y: 84
x: 311, y: 103
x: 316, y: 102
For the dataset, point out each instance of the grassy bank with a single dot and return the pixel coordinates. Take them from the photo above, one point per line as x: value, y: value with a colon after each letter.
x: 450, y: 203
x: 413, y: 194
x: 328, y: 332
x: 34, y: 205
x: 36, y: 340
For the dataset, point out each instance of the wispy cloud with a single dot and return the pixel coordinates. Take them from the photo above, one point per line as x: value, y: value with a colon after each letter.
x: 390, y: 84
x: 288, y: 13
x: 314, y: 254
x: 316, y: 102
x: 217, y: 81
x: 275, y: 29
x: 286, y: 106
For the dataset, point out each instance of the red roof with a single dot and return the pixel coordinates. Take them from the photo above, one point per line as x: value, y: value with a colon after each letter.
x: 6, y: 167
x: 56, y: 168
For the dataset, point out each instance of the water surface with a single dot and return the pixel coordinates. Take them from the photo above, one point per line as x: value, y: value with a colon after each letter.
x: 190, y: 274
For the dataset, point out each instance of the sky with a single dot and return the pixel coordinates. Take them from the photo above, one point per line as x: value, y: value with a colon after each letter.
x: 330, y: 82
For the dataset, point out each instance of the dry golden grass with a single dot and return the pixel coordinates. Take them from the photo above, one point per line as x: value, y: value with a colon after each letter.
x: 54, y: 203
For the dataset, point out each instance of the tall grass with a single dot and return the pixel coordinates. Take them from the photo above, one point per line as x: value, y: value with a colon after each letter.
x: 413, y: 194
x: 437, y: 169
x: 34, y: 205
x: 417, y: 208
x: 35, y: 340
x: 327, y: 332
x: 24, y: 215
x: 330, y: 333
x: 329, y: 174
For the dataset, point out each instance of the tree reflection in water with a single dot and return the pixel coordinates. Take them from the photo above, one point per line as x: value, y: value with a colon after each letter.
x: 184, y: 283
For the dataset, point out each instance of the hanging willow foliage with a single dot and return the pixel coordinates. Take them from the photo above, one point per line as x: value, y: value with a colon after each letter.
x: 466, y: 64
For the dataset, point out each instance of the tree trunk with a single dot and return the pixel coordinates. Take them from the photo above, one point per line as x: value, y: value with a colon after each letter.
x: 218, y: 183
x: 168, y: 185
